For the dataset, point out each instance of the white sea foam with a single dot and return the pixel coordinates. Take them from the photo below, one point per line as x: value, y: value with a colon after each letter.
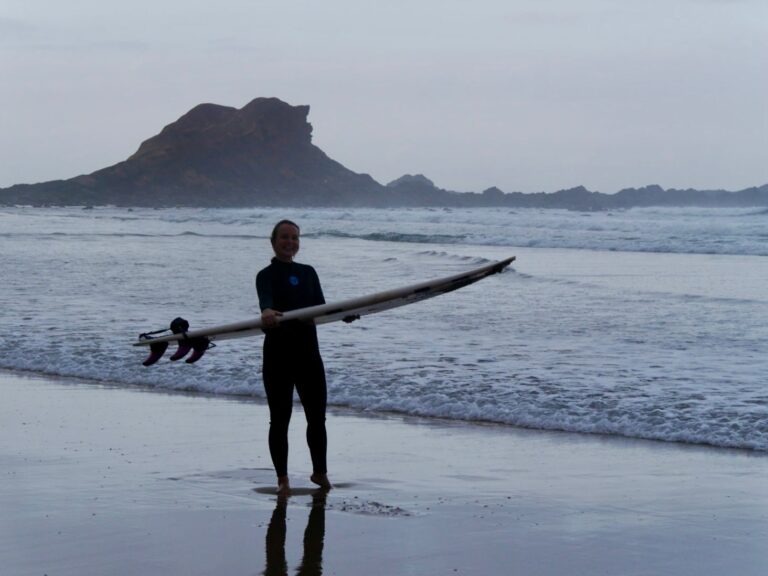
x: 646, y: 323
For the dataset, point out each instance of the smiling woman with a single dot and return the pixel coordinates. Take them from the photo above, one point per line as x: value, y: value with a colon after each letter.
x: 285, y: 240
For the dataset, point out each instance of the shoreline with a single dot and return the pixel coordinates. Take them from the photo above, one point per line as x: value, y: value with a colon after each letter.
x: 119, y: 481
x: 350, y: 411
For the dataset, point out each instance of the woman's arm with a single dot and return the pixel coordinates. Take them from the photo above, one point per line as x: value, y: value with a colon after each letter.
x: 269, y: 316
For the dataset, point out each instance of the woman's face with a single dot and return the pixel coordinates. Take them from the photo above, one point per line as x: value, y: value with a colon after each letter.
x: 286, y: 243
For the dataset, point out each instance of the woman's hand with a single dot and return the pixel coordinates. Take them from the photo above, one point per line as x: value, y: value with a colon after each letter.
x: 269, y: 317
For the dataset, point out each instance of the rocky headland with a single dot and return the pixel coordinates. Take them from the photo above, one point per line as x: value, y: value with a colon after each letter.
x: 262, y: 155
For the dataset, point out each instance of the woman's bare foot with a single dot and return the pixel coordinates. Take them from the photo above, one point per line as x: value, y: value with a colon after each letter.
x: 283, y: 486
x: 321, y: 480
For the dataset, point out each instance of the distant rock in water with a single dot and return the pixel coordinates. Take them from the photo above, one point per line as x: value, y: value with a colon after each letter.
x: 262, y: 155
x: 417, y: 180
x: 418, y: 190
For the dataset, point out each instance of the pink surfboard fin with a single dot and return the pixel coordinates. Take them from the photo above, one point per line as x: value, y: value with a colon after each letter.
x: 181, y: 351
x: 156, y: 352
x: 199, y: 345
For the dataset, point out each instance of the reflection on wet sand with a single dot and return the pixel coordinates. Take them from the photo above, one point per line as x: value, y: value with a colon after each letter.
x: 314, y: 537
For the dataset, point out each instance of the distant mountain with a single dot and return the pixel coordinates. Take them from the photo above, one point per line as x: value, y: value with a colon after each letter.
x: 262, y: 155
x: 420, y: 190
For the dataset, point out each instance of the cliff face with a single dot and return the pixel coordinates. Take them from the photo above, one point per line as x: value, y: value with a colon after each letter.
x: 261, y: 154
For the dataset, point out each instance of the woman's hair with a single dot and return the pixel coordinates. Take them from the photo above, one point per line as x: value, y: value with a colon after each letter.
x: 277, y: 226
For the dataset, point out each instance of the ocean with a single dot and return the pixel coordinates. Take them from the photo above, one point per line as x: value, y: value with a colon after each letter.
x: 647, y: 323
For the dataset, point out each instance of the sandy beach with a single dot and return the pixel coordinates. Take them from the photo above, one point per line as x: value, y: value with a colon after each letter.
x: 99, y: 479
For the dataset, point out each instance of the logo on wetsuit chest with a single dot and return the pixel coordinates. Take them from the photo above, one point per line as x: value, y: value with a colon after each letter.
x: 293, y: 280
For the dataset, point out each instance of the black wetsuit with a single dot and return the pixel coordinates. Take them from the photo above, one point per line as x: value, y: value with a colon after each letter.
x: 292, y: 358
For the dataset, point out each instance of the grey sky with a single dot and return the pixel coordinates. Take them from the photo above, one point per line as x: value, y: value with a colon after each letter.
x: 531, y: 95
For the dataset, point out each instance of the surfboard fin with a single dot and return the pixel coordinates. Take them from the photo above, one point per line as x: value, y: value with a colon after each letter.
x: 200, y: 346
x: 181, y: 351
x: 156, y: 352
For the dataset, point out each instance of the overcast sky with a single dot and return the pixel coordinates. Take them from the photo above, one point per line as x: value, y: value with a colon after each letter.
x: 526, y: 95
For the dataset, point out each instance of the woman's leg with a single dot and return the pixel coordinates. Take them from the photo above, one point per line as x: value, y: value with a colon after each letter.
x: 279, y: 392
x: 311, y: 386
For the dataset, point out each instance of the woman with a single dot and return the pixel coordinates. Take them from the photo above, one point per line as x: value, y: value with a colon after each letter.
x: 291, y: 354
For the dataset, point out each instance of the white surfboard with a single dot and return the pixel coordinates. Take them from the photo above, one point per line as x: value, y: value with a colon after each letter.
x: 200, y: 340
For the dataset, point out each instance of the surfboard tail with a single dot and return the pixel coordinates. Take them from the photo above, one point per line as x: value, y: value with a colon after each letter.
x: 178, y: 326
x: 198, y: 347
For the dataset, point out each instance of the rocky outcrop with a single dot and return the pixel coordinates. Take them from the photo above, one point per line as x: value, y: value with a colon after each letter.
x: 261, y: 154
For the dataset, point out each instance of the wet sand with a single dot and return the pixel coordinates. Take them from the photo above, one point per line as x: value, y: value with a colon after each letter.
x: 101, y: 480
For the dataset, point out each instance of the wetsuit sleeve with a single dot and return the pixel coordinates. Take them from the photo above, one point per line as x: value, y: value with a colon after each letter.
x: 264, y: 289
x: 317, y: 289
